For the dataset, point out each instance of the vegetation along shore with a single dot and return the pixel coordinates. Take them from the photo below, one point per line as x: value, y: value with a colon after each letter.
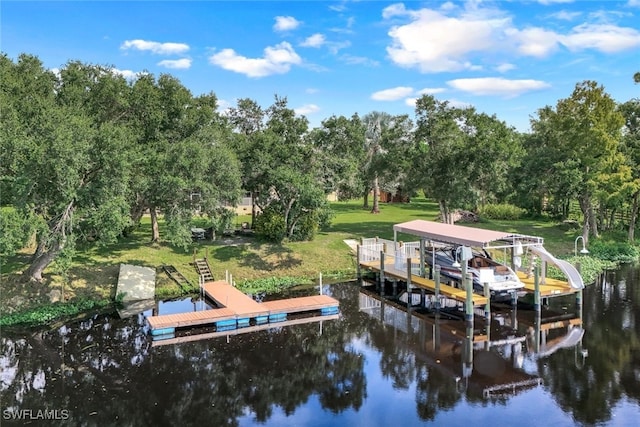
x: 98, y: 170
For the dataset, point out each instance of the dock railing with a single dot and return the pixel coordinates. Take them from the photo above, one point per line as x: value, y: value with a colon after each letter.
x: 396, y: 253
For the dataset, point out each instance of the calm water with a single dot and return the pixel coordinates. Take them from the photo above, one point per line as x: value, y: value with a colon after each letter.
x: 373, y: 366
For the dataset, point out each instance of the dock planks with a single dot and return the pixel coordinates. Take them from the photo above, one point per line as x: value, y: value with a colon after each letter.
x: 237, y: 308
x: 551, y: 287
x: 445, y: 290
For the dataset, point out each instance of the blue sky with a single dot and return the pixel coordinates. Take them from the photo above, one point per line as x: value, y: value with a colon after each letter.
x: 507, y: 58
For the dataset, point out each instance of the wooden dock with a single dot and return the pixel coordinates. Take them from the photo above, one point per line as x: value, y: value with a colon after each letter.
x: 550, y: 287
x: 457, y: 294
x: 237, y: 310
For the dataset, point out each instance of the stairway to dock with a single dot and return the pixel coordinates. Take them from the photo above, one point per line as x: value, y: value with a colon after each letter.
x: 203, y: 269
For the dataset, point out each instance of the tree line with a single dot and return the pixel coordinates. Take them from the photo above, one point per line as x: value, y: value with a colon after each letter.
x: 86, y: 152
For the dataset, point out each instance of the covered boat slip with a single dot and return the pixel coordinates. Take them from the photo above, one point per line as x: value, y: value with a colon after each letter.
x: 406, y: 261
x: 435, y: 233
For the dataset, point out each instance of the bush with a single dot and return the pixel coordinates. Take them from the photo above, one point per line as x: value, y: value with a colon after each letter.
x: 615, y: 251
x: 270, y: 226
x: 501, y: 211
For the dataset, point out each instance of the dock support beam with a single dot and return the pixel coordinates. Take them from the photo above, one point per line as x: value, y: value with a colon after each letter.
x: 536, y: 289
x: 409, y: 296
x: 468, y: 284
x: 436, y: 279
x: 487, y: 306
x: 358, y: 269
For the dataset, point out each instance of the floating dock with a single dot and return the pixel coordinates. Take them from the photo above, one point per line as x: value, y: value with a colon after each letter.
x: 237, y: 310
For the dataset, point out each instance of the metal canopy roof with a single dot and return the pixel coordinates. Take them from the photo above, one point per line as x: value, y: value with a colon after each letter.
x: 457, y: 234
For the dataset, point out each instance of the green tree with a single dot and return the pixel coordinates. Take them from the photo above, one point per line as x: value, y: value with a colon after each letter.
x: 386, y: 140
x: 586, y: 129
x: 339, y: 143
x: 64, y: 166
x: 631, y: 149
x: 439, y: 156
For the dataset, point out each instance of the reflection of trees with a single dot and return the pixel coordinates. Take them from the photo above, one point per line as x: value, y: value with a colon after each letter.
x: 106, y: 373
x: 610, y: 371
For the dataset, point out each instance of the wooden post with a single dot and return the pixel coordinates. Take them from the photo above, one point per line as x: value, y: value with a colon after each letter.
x: 536, y: 289
x: 409, y: 283
x: 487, y: 306
x: 423, y: 273
x: 358, y: 271
x: 468, y: 283
x: 381, y: 277
x: 436, y: 279
x: 320, y: 281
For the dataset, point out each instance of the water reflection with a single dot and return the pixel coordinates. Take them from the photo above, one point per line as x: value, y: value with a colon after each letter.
x: 376, y: 364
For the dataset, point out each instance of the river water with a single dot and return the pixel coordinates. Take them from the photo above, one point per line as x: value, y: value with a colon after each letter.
x: 376, y: 364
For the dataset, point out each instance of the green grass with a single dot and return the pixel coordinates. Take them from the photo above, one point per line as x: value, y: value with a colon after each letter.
x: 253, y: 264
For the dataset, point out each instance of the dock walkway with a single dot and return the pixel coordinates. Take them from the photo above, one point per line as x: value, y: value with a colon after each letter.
x: 550, y: 287
x: 457, y: 294
x: 237, y: 310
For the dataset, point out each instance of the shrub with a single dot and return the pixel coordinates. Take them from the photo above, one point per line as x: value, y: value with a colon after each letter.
x: 501, y: 211
x: 615, y: 251
x: 270, y: 226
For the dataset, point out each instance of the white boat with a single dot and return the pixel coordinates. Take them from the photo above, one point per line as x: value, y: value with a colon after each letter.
x: 503, y: 282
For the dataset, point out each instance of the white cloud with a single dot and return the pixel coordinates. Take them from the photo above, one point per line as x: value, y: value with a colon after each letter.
x: 603, y: 37
x: 410, y: 102
x: 315, y: 40
x: 497, y: 86
x: 176, y: 64
x: 548, y: 2
x: 392, y: 94
x: 434, y: 42
x: 634, y: 3
x: 155, y: 47
x: 286, y: 23
x: 566, y: 15
x: 534, y: 41
x: 127, y: 74
x: 276, y: 60
x: 311, y: 90
x: 503, y: 68
x: 306, y: 109
x: 359, y: 60
x: 431, y: 90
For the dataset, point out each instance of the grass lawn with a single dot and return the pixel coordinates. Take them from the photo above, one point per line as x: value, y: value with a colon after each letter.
x: 95, y: 269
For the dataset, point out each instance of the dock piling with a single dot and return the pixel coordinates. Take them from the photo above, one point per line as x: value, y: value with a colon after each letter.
x: 437, y: 282
x: 468, y: 284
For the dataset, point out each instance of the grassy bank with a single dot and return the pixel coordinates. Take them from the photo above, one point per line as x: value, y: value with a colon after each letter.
x: 254, y: 265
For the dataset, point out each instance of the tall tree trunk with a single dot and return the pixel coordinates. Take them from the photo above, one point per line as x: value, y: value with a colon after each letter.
x: 633, y: 216
x: 253, y: 209
x: 376, y: 196
x: 444, y: 212
x: 365, y: 205
x: 50, y: 244
x: 590, y: 226
x: 42, y: 261
x: 155, y: 230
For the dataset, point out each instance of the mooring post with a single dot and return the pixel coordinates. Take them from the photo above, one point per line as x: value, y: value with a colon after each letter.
x: 358, y: 271
x: 436, y: 278
x: 469, y: 300
x: 423, y: 272
x: 487, y: 305
x: 320, y: 282
x: 409, y: 283
x: 381, y: 278
x: 536, y: 289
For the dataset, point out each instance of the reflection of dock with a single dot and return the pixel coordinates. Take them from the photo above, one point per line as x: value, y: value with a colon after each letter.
x: 238, y: 310
x: 474, y: 362
x: 256, y: 328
